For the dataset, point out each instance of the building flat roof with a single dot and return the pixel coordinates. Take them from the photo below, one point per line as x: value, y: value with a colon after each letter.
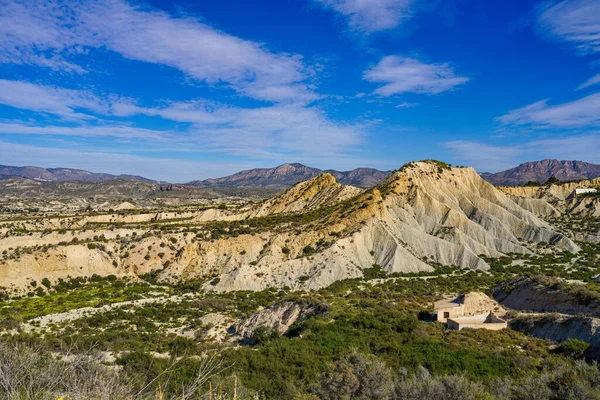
x: 449, y: 303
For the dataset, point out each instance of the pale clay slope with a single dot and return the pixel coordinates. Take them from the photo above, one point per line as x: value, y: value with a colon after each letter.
x: 320, y: 191
x: 420, y: 214
x: 553, y: 200
x: 449, y: 218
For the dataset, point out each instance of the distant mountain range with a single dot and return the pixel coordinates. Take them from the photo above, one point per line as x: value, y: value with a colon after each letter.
x: 287, y: 175
x: 62, y: 174
x: 541, y: 171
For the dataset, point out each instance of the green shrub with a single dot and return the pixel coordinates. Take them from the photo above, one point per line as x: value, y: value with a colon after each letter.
x: 308, y: 250
x: 573, y: 348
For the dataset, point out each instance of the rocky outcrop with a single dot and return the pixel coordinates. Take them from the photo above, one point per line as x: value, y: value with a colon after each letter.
x: 474, y: 303
x: 320, y: 191
x: 548, y: 295
x: 558, y: 328
x: 55, y: 263
x: 547, y: 201
x: 277, y: 318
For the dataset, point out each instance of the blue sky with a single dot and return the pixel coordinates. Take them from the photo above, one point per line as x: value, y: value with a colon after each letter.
x: 195, y: 89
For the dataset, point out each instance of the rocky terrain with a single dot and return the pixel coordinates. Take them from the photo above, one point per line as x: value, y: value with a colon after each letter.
x: 424, y: 215
x: 551, y: 201
x: 541, y: 171
x: 553, y: 309
x: 547, y: 295
x: 290, y: 292
x: 20, y: 194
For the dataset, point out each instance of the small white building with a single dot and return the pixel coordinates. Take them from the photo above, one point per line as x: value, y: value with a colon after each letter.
x: 579, y: 191
x: 471, y: 310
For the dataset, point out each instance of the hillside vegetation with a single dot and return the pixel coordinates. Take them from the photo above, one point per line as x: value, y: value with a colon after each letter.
x: 324, y: 291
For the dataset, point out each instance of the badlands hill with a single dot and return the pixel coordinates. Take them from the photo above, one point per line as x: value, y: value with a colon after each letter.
x: 541, y: 171
x: 286, y: 175
x: 423, y: 215
x: 61, y: 174
x: 556, y: 199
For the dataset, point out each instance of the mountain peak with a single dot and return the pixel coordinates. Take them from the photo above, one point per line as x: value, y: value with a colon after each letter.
x: 542, y: 170
x: 288, y: 174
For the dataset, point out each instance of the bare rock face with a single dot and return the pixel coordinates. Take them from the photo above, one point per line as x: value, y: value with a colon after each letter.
x: 422, y: 214
x: 559, y: 328
x: 320, y: 191
x: 547, y: 296
x: 278, y: 317
x: 475, y: 303
x: 556, y: 199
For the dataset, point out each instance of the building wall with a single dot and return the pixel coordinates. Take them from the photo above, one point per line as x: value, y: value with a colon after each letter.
x: 585, y: 190
x: 493, y: 326
x: 453, y: 312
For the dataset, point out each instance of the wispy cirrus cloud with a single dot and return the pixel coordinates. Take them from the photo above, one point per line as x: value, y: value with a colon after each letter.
x: 369, y: 16
x: 594, y: 80
x: 37, y: 33
x: 119, y: 131
x: 573, y: 21
x: 580, y: 113
x: 49, y: 99
x: 48, y: 33
x: 406, y: 104
x: 400, y: 74
x: 275, y: 131
x: 59, y: 32
x: 272, y: 131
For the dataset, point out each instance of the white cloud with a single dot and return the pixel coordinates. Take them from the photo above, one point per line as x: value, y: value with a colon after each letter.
x: 402, y: 74
x: 368, y: 16
x: 490, y: 158
x: 282, y: 129
x: 594, y: 80
x: 159, y: 168
x: 57, y: 29
x: 584, y: 112
x: 406, y: 104
x: 573, y: 21
x: 49, y: 99
x: 111, y: 131
x: 47, y: 32
x: 35, y: 33
x: 275, y: 131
